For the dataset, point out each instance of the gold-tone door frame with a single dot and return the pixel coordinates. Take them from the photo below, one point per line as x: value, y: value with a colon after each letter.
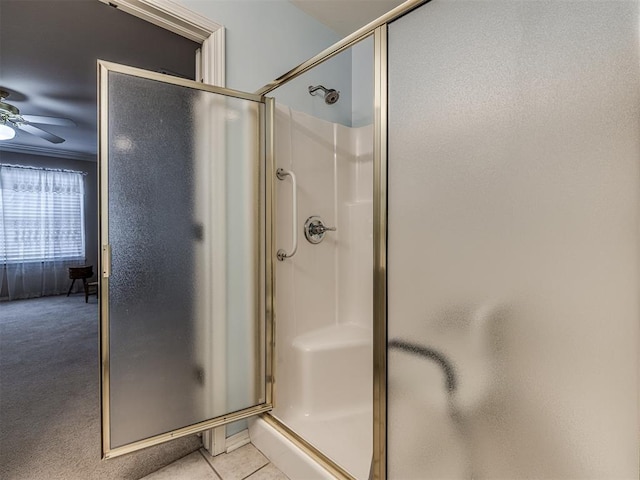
x: 378, y: 28
x: 266, y: 173
x: 379, y: 460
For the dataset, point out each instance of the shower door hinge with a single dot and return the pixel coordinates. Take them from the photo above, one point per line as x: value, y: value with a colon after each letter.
x: 106, y: 261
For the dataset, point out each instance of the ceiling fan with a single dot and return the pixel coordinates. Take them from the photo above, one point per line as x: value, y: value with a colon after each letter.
x: 11, y: 120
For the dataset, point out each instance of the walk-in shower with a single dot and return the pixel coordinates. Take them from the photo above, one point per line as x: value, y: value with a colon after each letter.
x: 499, y: 201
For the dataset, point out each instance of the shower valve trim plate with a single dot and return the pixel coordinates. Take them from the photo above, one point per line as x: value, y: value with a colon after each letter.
x: 314, y: 229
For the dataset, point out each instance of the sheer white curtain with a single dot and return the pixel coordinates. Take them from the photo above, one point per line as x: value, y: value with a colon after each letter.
x: 41, y: 229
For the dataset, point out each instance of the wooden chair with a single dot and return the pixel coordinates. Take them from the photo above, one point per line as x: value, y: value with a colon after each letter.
x: 87, y: 292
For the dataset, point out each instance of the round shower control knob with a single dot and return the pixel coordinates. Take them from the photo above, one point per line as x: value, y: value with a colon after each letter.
x: 314, y: 229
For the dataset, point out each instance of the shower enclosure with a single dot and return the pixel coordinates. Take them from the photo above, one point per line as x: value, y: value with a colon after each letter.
x: 441, y: 213
x: 506, y: 197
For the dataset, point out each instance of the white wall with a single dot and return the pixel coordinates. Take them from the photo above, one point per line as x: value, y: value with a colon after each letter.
x: 264, y: 39
x: 329, y: 283
x: 324, y: 293
x: 335, y: 74
x: 362, y: 83
x: 351, y: 73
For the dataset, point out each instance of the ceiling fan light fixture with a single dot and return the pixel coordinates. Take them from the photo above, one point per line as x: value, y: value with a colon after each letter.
x: 6, y: 132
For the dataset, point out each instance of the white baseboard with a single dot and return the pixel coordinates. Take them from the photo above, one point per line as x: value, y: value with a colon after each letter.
x: 238, y: 440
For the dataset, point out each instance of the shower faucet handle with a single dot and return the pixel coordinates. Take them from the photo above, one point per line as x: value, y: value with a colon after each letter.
x: 314, y: 229
x: 320, y: 229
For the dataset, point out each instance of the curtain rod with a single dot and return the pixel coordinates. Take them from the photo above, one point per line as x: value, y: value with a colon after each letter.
x: 27, y: 167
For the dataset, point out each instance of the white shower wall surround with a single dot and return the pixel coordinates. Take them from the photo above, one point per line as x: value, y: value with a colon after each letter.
x: 323, y: 295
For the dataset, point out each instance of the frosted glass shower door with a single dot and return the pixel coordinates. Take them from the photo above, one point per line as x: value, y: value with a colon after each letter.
x: 513, y: 241
x: 182, y: 230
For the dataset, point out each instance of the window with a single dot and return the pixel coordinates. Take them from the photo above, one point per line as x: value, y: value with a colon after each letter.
x: 41, y: 214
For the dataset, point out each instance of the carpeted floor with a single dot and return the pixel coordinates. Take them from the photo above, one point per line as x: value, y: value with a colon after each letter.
x: 49, y: 397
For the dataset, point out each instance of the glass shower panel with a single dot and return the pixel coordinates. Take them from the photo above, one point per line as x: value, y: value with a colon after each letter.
x: 183, y: 225
x: 513, y: 247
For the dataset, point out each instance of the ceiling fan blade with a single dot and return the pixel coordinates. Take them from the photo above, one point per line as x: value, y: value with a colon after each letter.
x: 62, y: 122
x: 38, y: 132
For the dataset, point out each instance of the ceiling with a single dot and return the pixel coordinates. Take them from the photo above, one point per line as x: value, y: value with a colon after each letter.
x: 345, y: 16
x: 48, y: 53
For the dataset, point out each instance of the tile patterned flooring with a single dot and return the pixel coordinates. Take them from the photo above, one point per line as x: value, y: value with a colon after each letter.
x: 245, y: 463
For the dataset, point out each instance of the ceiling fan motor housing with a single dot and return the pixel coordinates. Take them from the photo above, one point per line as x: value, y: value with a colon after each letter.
x: 8, y: 111
x: 10, y: 117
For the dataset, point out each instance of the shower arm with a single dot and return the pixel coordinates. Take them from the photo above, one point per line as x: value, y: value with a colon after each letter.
x: 281, y: 173
x: 313, y: 90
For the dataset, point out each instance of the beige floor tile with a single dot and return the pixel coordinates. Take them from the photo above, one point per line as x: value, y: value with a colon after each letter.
x: 191, y: 467
x: 268, y: 472
x: 238, y: 464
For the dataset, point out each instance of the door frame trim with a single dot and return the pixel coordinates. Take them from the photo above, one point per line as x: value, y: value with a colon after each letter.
x: 186, y: 23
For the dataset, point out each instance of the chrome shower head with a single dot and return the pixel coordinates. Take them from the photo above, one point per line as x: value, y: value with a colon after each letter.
x: 331, y: 96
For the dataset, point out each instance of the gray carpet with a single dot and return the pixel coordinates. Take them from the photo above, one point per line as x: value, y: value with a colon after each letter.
x: 49, y: 397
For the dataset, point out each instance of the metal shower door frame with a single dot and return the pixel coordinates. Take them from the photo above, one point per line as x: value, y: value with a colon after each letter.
x: 264, y: 258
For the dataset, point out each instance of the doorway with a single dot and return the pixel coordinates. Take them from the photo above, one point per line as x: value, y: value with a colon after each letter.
x: 50, y: 409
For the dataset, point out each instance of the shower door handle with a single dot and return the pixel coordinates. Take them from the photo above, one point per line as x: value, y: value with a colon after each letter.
x: 281, y: 174
x: 106, y: 261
